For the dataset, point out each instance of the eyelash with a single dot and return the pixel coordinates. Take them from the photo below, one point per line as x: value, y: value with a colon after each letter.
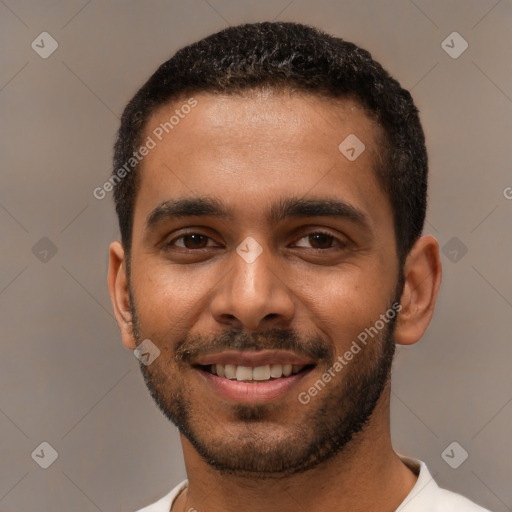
x: 341, y: 243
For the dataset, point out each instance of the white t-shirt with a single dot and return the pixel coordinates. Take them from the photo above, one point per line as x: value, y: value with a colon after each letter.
x: 425, y: 496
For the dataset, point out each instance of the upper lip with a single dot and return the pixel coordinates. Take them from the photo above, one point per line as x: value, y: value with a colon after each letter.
x: 251, y: 358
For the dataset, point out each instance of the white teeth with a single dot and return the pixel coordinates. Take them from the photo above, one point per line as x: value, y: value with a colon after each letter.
x: 220, y: 370
x: 243, y: 373
x: 276, y: 371
x: 230, y: 371
x: 260, y: 373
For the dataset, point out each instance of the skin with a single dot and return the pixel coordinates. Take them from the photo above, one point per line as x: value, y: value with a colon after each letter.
x: 250, y: 152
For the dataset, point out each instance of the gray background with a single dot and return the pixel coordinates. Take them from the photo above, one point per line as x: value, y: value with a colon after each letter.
x: 65, y: 377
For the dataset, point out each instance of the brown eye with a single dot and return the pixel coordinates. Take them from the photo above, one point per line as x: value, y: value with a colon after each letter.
x: 320, y: 240
x: 191, y: 241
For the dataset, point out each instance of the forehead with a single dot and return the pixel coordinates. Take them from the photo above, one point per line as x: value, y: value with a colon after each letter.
x: 306, y: 122
x: 247, y: 148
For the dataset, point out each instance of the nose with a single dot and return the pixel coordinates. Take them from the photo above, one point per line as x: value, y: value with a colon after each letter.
x: 252, y: 296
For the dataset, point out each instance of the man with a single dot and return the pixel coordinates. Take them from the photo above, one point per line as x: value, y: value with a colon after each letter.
x: 270, y: 182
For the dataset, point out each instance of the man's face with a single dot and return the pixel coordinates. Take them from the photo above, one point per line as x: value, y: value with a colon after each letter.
x: 301, y: 263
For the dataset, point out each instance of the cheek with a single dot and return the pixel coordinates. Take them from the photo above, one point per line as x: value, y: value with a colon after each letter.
x: 342, y: 303
x: 339, y: 301
x: 168, y: 297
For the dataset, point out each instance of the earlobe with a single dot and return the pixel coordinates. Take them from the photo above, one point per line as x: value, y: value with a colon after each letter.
x: 119, y: 293
x: 422, y: 273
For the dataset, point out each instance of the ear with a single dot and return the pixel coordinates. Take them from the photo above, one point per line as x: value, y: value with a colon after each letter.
x: 119, y: 293
x: 422, y: 272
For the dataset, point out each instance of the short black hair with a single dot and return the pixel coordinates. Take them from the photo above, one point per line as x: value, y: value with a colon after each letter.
x: 284, y: 55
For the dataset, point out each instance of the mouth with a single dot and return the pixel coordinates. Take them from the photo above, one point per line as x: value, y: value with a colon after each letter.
x: 252, y: 377
x: 255, y: 374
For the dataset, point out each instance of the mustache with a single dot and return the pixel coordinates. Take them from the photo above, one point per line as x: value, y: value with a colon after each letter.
x: 311, y: 347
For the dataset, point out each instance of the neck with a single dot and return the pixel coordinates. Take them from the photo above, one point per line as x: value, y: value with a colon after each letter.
x: 366, y: 476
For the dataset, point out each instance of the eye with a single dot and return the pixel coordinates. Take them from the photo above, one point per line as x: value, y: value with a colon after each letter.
x: 321, y: 240
x: 318, y: 240
x: 190, y: 241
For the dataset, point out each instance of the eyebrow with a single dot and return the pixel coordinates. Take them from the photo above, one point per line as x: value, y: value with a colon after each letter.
x: 187, y: 207
x: 293, y: 207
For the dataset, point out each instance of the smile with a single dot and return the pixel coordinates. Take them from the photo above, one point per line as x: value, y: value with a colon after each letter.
x: 258, y: 373
x: 249, y: 377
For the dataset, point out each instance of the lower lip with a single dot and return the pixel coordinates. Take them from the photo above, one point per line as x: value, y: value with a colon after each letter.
x: 255, y: 391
